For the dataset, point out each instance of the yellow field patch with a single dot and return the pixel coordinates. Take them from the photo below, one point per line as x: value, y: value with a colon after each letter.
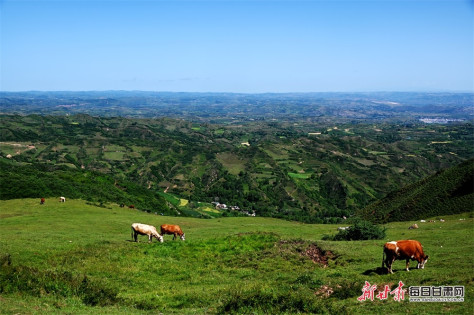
x: 209, y: 209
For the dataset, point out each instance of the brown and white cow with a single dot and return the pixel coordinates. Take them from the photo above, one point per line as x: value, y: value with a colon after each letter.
x: 172, y: 229
x: 404, y: 249
x: 145, y: 229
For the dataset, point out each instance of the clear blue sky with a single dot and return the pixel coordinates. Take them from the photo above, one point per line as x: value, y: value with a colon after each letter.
x: 237, y: 46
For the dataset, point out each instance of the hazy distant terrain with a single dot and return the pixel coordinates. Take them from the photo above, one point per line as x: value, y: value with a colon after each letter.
x: 234, y: 107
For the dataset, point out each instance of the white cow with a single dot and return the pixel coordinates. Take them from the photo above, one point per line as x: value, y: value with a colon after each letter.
x: 145, y: 229
x: 62, y: 199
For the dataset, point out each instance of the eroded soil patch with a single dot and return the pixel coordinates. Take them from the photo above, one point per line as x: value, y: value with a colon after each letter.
x: 308, y: 250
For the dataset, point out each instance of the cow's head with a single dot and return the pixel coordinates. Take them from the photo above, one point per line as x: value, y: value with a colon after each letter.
x: 159, y: 237
x: 424, y: 260
x: 182, y: 237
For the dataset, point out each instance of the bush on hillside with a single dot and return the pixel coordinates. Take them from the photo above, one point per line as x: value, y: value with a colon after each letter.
x: 360, y: 230
x: 37, y: 282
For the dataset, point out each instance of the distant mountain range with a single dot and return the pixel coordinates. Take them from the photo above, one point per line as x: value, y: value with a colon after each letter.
x: 232, y: 107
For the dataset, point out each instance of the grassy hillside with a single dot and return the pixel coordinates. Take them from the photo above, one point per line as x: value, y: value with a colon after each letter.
x: 43, y: 181
x: 77, y: 258
x: 301, y: 171
x: 449, y: 191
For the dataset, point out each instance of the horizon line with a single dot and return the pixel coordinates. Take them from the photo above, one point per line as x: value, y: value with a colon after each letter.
x: 248, y: 93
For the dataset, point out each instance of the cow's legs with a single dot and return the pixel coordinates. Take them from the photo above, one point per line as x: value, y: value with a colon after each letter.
x: 391, y: 264
x: 174, y: 236
x: 135, y: 234
x: 386, y: 261
x: 389, y: 268
x: 408, y: 263
x: 149, y: 238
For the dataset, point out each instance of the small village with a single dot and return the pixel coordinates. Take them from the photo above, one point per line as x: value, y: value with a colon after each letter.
x: 223, y: 206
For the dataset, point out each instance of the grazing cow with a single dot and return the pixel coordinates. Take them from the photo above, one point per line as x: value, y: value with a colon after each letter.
x: 131, y: 207
x: 405, y: 249
x: 413, y: 226
x: 42, y: 201
x: 62, y: 199
x: 172, y: 229
x: 144, y: 229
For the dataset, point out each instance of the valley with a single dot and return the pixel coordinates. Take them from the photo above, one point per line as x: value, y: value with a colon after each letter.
x: 315, y: 173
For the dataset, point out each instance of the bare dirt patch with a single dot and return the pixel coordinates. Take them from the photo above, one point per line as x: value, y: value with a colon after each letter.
x: 308, y: 250
x: 326, y: 291
x: 317, y: 255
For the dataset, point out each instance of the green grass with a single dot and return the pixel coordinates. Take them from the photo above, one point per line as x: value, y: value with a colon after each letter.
x: 235, y: 265
x: 175, y: 201
x: 115, y: 156
x: 231, y: 162
x: 300, y: 175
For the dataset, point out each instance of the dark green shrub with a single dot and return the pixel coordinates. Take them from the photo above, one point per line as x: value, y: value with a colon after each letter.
x: 360, y: 230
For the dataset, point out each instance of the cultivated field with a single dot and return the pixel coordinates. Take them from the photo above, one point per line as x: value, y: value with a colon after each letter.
x: 74, y: 257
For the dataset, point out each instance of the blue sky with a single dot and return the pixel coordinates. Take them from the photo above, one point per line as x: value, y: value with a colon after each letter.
x: 237, y: 46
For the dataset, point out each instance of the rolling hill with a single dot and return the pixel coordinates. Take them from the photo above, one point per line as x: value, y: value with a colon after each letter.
x: 449, y: 191
x: 299, y: 171
x: 27, y: 181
